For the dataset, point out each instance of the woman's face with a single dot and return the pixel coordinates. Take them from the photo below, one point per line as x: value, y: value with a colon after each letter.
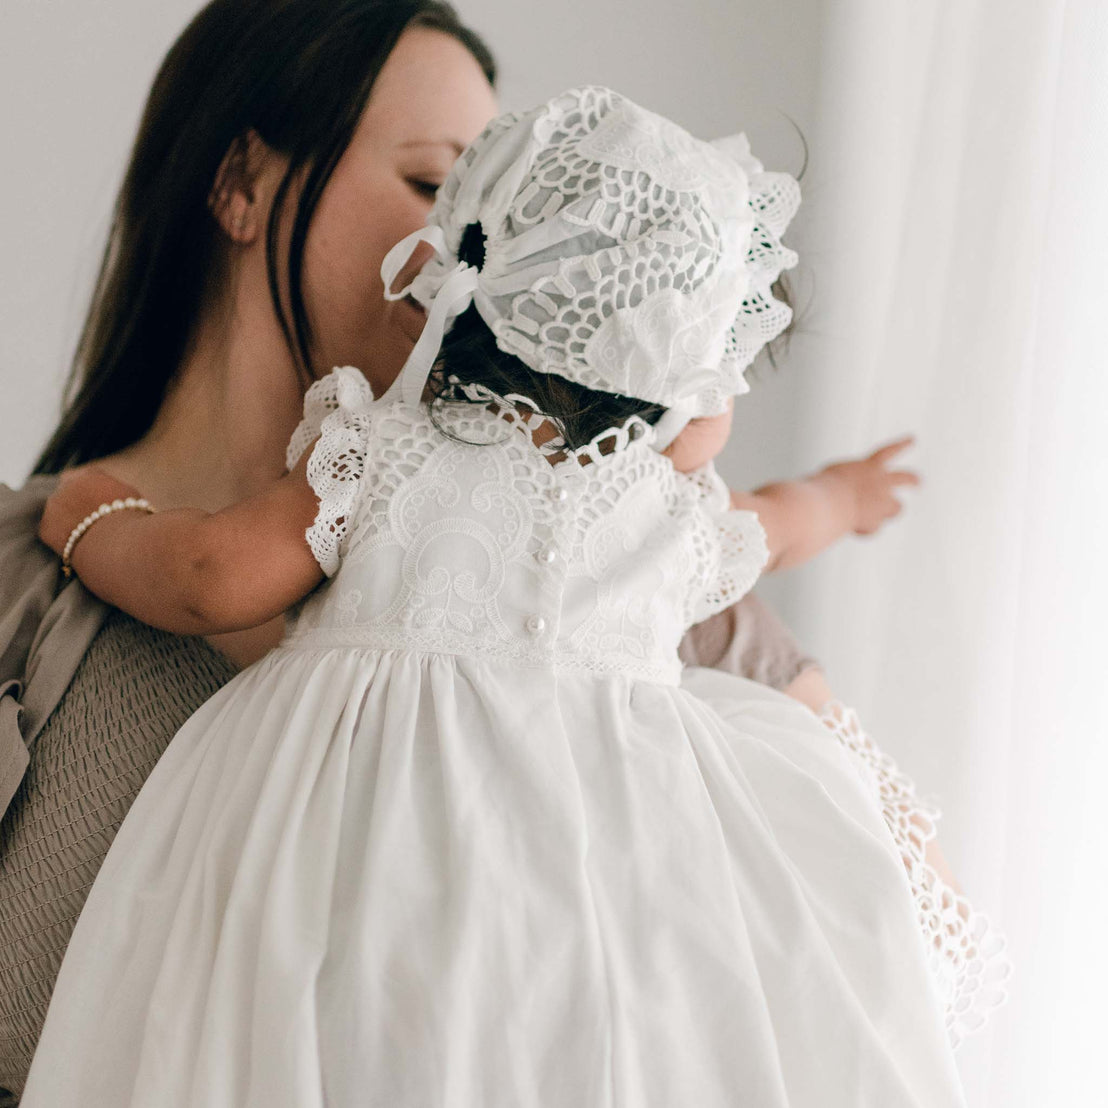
x: 429, y: 101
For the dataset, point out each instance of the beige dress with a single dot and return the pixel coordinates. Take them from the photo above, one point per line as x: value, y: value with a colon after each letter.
x: 80, y: 730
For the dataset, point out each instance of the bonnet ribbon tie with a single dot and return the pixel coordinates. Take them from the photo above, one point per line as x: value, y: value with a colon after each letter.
x: 450, y: 294
x: 673, y: 421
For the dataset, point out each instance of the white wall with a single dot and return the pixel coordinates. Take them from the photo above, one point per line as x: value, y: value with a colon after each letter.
x: 73, y: 78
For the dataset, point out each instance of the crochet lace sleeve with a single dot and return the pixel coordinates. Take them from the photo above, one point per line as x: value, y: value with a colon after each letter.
x: 736, y: 546
x: 335, y: 418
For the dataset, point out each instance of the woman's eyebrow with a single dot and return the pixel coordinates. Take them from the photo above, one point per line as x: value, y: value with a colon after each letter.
x: 454, y: 145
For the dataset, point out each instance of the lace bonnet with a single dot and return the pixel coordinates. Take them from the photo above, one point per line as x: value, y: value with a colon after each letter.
x: 620, y: 253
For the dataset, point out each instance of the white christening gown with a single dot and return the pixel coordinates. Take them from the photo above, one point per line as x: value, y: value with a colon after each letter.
x: 464, y: 841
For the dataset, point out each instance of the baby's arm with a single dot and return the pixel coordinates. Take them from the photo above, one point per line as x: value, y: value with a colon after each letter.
x: 803, y: 518
x: 186, y: 570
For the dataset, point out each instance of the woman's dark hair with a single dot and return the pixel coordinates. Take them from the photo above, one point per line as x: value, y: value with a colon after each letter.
x: 298, y: 73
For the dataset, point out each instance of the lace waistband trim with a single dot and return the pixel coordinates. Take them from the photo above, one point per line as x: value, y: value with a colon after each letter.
x: 369, y: 638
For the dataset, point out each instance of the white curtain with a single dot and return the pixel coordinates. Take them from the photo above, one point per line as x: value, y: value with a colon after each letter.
x: 960, y: 177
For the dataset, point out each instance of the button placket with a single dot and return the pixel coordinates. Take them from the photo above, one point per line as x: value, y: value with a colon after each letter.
x: 539, y: 624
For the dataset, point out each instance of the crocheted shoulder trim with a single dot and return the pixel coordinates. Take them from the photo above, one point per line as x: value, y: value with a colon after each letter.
x: 336, y: 412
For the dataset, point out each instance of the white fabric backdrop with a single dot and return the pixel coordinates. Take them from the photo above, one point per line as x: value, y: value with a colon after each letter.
x: 964, y: 150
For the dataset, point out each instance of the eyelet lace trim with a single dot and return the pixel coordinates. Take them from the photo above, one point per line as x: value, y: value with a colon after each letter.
x: 333, y: 413
x: 966, y: 952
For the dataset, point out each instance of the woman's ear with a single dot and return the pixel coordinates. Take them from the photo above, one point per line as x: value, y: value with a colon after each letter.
x: 236, y: 199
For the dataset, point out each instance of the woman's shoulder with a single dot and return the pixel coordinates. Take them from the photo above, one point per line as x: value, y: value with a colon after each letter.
x: 28, y: 590
x: 46, y: 623
x: 34, y: 599
x: 20, y: 508
x: 28, y: 569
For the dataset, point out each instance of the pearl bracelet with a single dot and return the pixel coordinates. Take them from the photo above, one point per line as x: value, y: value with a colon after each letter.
x: 105, y: 509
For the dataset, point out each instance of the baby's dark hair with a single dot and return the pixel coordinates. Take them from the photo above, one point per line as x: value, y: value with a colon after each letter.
x: 470, y: 355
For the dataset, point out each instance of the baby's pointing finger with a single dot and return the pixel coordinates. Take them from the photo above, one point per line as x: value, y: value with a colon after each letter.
x: 890, y: 449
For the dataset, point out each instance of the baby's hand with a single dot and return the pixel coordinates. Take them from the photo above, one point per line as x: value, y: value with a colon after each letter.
x: 700, y: 441
x: 79, y: 492
x: 871, y: 485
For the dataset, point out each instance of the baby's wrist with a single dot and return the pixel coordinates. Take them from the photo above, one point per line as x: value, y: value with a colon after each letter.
x: 842, y: 496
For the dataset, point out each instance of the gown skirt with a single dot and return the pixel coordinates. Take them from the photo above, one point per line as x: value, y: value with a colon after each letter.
x: 390, y: 879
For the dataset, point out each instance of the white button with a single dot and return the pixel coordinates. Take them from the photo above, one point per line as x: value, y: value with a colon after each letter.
x: 560, y: 495
x: 536, y: 625
x: 547, y: 556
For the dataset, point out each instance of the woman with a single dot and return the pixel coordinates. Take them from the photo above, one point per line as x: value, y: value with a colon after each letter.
x: 286, y: 145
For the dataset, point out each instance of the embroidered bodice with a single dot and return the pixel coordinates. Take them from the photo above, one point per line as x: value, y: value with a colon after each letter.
x: 455, y: 533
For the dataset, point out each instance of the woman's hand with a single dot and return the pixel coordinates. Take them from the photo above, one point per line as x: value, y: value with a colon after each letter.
x: 871, y: 485
x: 79, y: 492
x: 700, y: 441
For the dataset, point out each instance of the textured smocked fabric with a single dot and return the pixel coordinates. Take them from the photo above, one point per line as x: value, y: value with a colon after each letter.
x: 133, y: 689
x: 463, y: 837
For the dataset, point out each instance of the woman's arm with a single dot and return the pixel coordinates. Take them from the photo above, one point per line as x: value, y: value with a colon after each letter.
x: 186, y: 570
x: 802, y: 518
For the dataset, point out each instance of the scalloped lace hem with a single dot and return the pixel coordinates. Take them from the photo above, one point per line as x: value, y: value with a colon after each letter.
x: 966, y: 952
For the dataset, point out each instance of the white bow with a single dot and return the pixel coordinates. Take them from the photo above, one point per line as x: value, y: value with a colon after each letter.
x: 447, y: 296
x: 673, y: 421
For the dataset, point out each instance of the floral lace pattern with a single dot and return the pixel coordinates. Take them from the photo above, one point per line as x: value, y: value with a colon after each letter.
x: 966, y: 953
x: 458, y: 534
